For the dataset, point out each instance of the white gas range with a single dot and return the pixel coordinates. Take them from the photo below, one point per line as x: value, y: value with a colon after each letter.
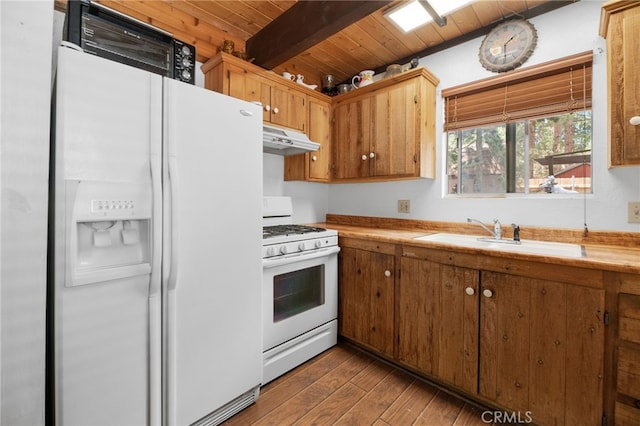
x: 300, y: 289
x: 286, y: 240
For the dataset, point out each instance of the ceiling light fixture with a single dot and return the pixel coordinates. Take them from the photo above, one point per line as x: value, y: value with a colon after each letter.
x: 409, y: 16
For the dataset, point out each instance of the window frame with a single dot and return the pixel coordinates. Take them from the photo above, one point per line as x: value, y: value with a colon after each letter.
x: 563, y: 86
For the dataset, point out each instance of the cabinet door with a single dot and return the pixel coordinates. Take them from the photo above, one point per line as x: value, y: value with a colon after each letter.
x: 624, y: 79
x: 248, y: 87
x: 288, y: 108
x: 438, y: 321
x: 314, y: 166
x: 419, y: 314
x: 630, y: 104
x: 541, y: 348
x: 320, y: 131
x: 280, y: 105
x: 459, y: 303
x: 366, y: 298
x: 352, y: 133
x: 395, y: 135
x: 585, y: 355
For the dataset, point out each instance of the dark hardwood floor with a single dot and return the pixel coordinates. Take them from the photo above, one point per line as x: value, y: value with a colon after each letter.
x: 344, y: 386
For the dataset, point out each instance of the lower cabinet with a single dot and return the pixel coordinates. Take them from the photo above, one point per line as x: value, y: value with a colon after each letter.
x: 366, y: 296
x: 627, y: 361
x: 531, y: 346
x: 542, y: 348
x: 628, y: 401
x: 438, y: 321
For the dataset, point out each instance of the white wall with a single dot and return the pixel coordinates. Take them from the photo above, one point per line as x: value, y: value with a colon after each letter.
x: 563, y: 32
x: 310, y: 200
x: 25, y: 84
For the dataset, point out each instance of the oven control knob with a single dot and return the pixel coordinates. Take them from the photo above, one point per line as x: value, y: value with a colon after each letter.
x: 318, y: 244
x: 301, y: 247
x: 271, y: 251
x: 283, y: 250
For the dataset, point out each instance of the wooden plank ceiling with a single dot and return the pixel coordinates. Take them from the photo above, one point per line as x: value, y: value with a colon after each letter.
x: 352, y: 35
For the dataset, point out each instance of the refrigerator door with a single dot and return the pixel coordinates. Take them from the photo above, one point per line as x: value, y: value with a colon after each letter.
x: 108, y: 127
x: 212, y: 269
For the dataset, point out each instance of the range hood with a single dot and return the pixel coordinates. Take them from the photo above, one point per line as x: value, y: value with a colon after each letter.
x: 281, y: 141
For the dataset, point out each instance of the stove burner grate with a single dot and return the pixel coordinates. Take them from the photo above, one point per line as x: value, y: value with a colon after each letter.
x: 279, y: 230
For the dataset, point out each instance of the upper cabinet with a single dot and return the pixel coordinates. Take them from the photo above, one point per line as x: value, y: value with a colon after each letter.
x: 313, y: 166
x: 386, y: 130
x: 620, y: 25
x: 351, y: 137
x: 286, y: 107
x: 383, y: 131
x: 284, y: 103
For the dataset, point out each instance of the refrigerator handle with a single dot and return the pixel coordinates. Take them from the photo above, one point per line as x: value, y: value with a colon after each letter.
x: 156, y: 200
x: 173, y: 187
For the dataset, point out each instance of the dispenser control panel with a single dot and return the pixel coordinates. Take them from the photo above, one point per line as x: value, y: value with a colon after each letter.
x: 95, y: 201
x: 109, y: 231
x: 100, y: 206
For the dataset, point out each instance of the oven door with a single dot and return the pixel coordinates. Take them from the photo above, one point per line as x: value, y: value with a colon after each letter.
x: 300, y: 293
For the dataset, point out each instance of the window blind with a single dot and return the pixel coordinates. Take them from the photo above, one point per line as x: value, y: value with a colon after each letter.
x: 550, y: 88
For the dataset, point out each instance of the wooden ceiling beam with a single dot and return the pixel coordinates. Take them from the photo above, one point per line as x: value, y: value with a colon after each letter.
x: 304, y: 25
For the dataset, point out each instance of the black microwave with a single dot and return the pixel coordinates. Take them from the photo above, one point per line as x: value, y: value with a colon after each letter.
x: 110, y: 34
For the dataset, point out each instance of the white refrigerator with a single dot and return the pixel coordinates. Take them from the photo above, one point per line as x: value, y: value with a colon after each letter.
x: 157, y: 248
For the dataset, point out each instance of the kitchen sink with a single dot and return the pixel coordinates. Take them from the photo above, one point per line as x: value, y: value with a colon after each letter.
x: 545, y: 248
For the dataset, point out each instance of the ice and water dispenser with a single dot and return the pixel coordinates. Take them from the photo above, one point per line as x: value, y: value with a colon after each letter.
x: 108, y: 231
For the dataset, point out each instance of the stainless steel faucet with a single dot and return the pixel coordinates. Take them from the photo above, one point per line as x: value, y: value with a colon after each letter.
x: 497, y: 227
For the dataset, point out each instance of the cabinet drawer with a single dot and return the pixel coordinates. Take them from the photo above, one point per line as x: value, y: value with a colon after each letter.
x: 629, y: 317
x: 369, y: 245
x: 629, y: 372
x: 627, y: 415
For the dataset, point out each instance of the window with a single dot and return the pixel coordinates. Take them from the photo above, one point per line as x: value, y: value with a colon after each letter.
x: 527, y: 131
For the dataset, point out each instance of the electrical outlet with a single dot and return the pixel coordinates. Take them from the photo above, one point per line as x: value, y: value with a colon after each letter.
x: 634, y: 212
x: 404, y: 206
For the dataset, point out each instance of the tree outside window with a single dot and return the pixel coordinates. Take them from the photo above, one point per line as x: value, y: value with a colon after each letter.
x: 519, y: 157
x: 527, y: 131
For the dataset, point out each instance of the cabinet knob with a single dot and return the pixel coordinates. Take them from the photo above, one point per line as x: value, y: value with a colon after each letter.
x: 267, y: 107
x: 487, y: 293
x: 372, y: 155
x: 364, y: 157
x: 314, y: 158
x: 470, y: 291
x: 387, y: 273
x: 275, y: 110
x: 635, y: 120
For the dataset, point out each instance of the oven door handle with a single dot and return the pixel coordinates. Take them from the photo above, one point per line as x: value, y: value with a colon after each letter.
x: 298, y: 257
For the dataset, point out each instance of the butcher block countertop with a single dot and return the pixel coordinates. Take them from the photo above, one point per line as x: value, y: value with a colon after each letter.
x: 602, y: 250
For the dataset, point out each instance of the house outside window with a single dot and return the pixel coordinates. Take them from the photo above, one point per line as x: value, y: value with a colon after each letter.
x: 524, y: 132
